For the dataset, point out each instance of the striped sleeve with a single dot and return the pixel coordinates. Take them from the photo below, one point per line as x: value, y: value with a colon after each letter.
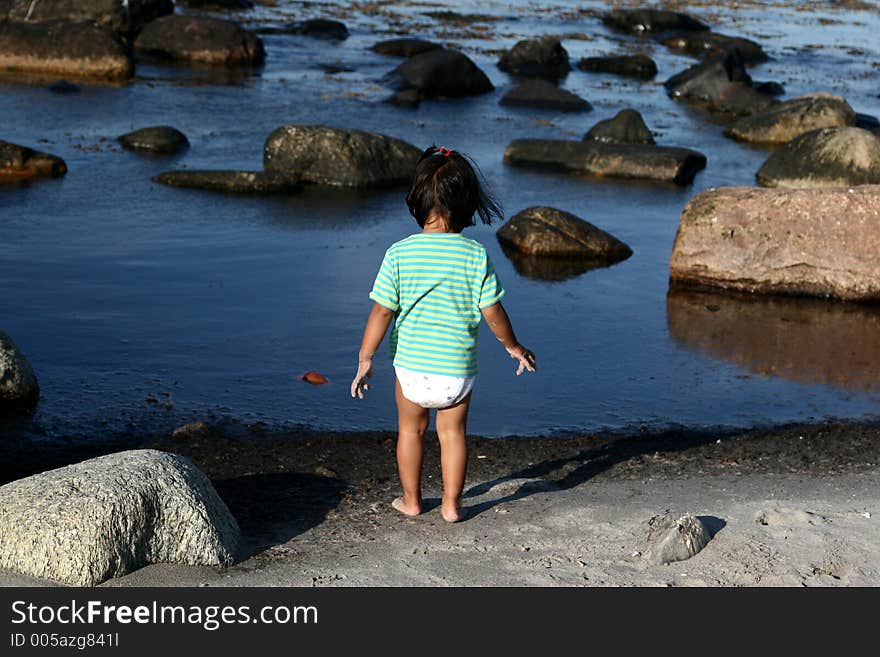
x: 386, y: 291
x: 491, y: 291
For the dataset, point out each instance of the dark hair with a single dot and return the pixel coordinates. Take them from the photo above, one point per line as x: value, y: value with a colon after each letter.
x: 451, y: 184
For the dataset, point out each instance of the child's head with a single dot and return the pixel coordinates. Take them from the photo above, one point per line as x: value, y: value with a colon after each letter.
x: 449, y: 184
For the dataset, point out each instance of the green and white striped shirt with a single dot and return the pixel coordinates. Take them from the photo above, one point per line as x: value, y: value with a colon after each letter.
x: 436, y: 284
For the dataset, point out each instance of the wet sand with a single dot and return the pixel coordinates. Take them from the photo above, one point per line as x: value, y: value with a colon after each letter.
x: 792, y: 506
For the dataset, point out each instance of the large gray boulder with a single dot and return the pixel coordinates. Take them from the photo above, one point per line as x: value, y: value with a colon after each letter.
x: 544, y: 57
x: 22, y: 163
x: 549, y: 232
x: 340, y: 157
x: 811, y: 242
x: 675, y: 537
x: 625, y: 127
x: 542, y: 94
x: 117, y: 15
x: 824, y: 158
x: 69, y: 50
x: 200, y: 39
x: 232, y: 182
x: 106, y: 517
x: 646, y: 162
x: 18, y: 385
x: 782, y: 122
x: 440, y: 73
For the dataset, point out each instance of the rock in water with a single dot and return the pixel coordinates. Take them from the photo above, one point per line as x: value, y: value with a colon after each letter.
x: 638, y: 66
x: 320, y: 28
x: 708, y: 44
x: 74, y: 50
x: 106, y: 517
x: 217, y: 4
x: 441, y: 73
x: 21, y: 163
x: 156, y: 139
x: 117, y: 15
x: 626, y: 127
x: 404, y: 47
x: 535, y: 92
x: 811, y: 242
x: 824, y: 158
x: 652, y: 21
x: 784, y: 121
x: 540, y: 58
x: 673, y: 537
x: 200, y: 39
x: 335, y: 156
x: 232, y: 182
x: 661, y: 163
x: 545, y: 231
x: 18, y: 384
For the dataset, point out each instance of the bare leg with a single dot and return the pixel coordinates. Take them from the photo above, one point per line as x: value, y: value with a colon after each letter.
x: 412, y: 422
x: 451, y: 429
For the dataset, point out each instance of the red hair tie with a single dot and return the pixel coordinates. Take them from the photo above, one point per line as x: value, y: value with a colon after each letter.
x: 445, y: 152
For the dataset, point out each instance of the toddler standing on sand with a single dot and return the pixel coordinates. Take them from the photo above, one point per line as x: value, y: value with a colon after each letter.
x: 436, y: 285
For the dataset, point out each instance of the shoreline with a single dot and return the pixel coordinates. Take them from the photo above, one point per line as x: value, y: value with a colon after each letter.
x: 788, y: 504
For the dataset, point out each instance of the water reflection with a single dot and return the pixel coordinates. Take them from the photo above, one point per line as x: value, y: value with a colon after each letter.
x: 543, y: 268
x: 801, y: 340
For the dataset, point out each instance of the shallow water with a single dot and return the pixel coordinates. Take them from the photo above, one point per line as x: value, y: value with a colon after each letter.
x: 142, y: 307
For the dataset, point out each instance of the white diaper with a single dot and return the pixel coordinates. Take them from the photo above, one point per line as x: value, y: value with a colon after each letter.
x: 433, y: 390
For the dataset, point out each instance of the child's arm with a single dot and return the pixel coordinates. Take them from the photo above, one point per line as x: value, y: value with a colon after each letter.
x: 377, y: 324
x: 498, y: 321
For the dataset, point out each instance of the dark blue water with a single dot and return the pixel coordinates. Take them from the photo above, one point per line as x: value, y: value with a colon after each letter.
x: 142, y: 307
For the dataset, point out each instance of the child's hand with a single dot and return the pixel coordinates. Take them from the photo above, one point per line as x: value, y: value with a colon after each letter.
x: 525, y: 357
x: 360, y: 385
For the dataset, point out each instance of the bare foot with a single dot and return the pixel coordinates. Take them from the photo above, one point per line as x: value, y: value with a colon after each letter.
x: 451, y: 513
x: 407, y: 510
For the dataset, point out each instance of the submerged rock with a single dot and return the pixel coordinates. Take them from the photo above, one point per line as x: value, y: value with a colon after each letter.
x: 233, y: 182
x: 799, y: 242
x: 673, y: 537
x: 116, y: 15
x: 625, y: 127
x: 708, y: 44
x: 637, y: 66
x: 789, y: 119
x: 404, y: 47
x: 549, y: 232
x: 200, y: 39
x: 320, y: 28
x: 19, y: 389
x: 824, y: 158
x: 652, y: 21
x: 21, y: 163
x: 541, y: 58
x: 156, y: 139
x: 659, y: 163
x: 217, y: 4
x: 406, y: 98
x: 339, y: 157
x: 64, y: 87
x: 106, y: 517
x: 441, y: 73
x: 75, y: 50
x: 535, y: 92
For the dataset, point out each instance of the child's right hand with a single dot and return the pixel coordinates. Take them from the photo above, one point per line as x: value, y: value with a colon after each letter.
x: 360, y: 385
x: 525, y: 357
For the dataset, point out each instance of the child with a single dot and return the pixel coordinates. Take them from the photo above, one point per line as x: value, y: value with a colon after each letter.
x: 436, y: 284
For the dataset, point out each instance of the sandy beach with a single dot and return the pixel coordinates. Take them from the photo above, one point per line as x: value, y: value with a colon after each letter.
x: 796, y: 506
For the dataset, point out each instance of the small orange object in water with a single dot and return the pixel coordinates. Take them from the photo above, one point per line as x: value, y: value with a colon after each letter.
x: 315, y: 378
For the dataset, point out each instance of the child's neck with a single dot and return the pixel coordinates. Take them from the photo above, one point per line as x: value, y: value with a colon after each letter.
x: 437, y: 224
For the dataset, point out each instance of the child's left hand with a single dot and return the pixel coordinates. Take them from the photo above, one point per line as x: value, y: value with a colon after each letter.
x: 360, y: 385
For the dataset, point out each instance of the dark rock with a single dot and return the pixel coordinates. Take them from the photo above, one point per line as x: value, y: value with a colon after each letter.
x: 191, y: 431
x: 739, y: 99
x: 156, y: 139
x: 786, y: 120
x: 404, y: 47
x: 457, y: 18
x: 117, y: 15
x: 535, y: 92
x: 338, y: 157
x: 651, y: 20
x: 334, y: 69
x: 64, y: 87
x: 867, y: 122
x: 548, y: 232
x: 217, y: 4
x: 708, y: 44
x: 626, y: 127
x: 18, y: 384
x: 200, y: 39
x: 824, y: 158
x: 768, y: 88
x: 320, y: 28
x: 233, y: 182
x: 638, y: 66
x: 675, y: 537
x: 75, y: 50
x: 441, y: 73
x: 540, y: 58
x: 21, y: 163
x: 406, y: 98
x: 678, y: 165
